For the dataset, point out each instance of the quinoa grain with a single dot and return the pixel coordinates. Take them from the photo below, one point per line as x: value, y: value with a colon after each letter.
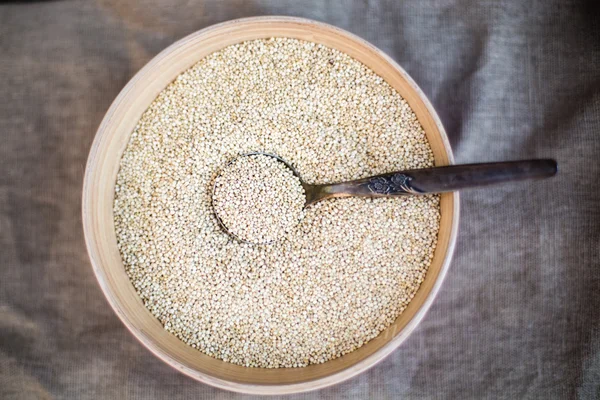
x: 343, y: 274
x: 258, y: 198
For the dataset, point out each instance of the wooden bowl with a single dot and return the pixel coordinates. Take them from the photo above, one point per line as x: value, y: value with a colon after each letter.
x: 98, y: 190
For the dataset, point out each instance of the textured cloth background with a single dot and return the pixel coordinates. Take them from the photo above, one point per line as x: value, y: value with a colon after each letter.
x: 519, y: 313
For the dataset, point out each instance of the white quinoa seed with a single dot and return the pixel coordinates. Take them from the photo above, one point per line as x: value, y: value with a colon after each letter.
x: 343, y: 274
x: 258, y: 198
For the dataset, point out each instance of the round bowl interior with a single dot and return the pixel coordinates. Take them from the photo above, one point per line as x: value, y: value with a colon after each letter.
x: 103, y: 164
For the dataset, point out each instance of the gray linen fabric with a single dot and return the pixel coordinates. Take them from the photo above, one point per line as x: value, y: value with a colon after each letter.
x: 519, y: 313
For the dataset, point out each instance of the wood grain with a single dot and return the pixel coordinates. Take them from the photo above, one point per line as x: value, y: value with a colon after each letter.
x: 98, y: 190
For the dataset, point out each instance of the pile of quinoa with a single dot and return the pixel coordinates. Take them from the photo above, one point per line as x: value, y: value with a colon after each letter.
x: 340, y: 276
x: 258, y: 198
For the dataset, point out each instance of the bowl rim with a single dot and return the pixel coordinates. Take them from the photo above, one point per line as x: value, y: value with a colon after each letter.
x: 256, y: 388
